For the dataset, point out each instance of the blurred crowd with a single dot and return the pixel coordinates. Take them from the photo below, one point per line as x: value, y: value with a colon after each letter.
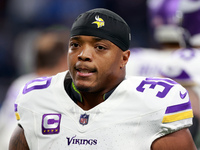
x: 165, y: 42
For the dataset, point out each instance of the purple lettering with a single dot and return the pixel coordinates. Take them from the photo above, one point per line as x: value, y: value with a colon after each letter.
x: 69, y: 140
x: 157, y: 81
x: 81, y: 141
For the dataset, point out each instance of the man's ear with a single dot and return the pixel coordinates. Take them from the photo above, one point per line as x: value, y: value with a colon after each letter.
x: 125, y: 57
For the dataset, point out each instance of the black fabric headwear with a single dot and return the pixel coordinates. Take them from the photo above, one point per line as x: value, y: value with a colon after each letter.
x: 105, y: 24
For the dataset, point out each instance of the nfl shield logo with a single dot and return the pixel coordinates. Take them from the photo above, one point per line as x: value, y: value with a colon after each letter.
x: 84, y: 119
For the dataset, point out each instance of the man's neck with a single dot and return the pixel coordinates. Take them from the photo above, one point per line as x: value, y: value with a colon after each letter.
x: 86, y: 100
x: 90, y: 100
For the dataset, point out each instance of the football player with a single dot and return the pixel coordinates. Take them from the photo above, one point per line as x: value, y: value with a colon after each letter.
x: 94, y: 106
x: 163, y: 21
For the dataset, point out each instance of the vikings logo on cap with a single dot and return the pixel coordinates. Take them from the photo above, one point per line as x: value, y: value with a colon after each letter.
x: 99, y: 21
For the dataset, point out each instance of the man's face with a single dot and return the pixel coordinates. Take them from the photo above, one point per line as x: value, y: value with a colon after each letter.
x: 95, y: 64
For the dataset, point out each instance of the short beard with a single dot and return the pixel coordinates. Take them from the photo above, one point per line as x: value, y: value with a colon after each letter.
x: 83, y: 89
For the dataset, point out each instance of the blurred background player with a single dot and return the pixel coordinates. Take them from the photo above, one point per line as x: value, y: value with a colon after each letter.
x: 183, y: 65
x: 163, y: 20
x: 50, y: 49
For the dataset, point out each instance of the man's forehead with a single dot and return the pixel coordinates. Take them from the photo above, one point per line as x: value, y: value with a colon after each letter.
x: 82, y: 37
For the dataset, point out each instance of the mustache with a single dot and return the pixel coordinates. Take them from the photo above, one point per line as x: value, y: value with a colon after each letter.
x: 84, y: 67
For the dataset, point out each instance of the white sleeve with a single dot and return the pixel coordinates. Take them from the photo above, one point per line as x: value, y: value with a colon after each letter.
x: 26, y: 118
x: 178, y: 113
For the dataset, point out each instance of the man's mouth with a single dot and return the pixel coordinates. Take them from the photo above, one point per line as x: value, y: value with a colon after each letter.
x: 84, y: 72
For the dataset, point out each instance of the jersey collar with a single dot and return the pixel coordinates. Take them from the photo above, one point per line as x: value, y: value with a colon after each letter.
x: 77, y: 95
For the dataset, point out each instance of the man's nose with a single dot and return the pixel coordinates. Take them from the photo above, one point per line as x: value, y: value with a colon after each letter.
x: 85, y: 54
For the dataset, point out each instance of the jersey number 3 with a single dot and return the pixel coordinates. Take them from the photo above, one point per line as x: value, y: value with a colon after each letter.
x: 157, y: 81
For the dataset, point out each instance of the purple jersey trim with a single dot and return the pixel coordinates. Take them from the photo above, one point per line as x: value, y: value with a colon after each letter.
x: 163, y: 79
x: 28, y: 89
x: 177, y: 108
x: 15, y: 106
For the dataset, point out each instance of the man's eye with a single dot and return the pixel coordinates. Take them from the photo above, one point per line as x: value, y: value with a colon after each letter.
x: 101, y: 48
x: 74, y: 45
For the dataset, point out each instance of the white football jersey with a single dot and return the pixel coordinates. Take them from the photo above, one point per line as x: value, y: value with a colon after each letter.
x: 183, y: 66
x: 146, y: 62
x: 138, y: 111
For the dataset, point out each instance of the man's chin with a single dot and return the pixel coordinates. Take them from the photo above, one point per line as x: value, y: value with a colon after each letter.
x: 84, y: 86
x: 83, y: 89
